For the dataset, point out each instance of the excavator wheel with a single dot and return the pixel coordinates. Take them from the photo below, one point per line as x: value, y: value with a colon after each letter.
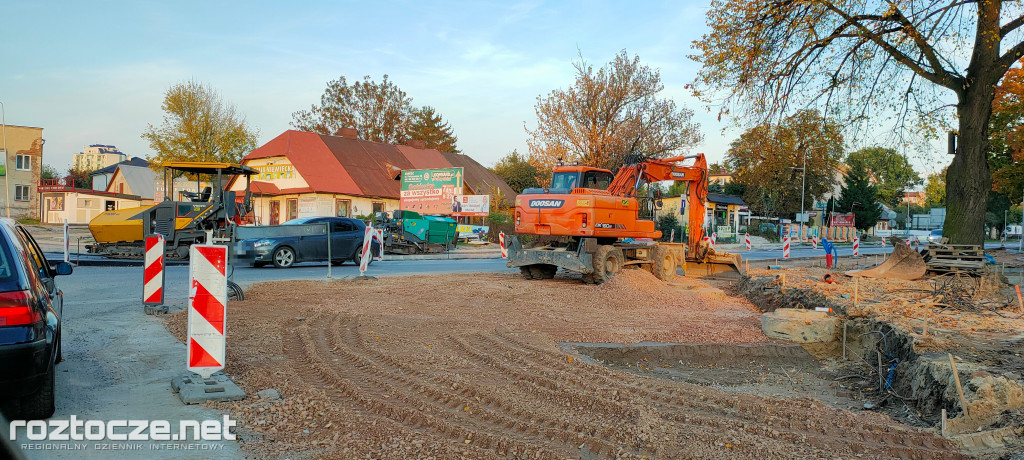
x: 664, y: 267
x: 527, y: 272
x: 607, y: 262
x: 543, y: 271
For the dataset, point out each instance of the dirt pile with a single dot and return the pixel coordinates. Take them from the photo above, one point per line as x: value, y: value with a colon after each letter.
x: 467, y: 366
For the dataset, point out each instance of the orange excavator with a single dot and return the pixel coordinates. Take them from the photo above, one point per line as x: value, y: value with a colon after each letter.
x: 596, y: 223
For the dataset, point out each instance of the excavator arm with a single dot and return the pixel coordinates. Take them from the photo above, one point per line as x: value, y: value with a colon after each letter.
x: 629, y: 177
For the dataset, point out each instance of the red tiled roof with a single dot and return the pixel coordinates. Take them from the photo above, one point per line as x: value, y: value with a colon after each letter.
x: 334, y: 164
x: 269, y: 189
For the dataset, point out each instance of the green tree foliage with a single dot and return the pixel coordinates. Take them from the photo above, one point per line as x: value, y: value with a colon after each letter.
x: 935, y: 190
x: 892, y: 172
x: 80, y: 178
x: 868, y: 61
x: 860, y: 197
x: 766, y: 160
x: 716, y: 168
x: 667, y: 223
x: 428, y: 126
x: 607, y: 114
x: 48, y: 172
x: 198, y: 126
x: 518, y: 172
x: 380, y: 111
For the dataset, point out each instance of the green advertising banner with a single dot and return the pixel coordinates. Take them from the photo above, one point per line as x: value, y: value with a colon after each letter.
x: 430, y: 191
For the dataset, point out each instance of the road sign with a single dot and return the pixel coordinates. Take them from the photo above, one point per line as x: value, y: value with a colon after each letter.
x: 207, y: 308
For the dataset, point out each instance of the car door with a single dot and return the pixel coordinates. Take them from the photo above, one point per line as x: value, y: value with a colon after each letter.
x: 341, y: 239
x: 313, y: 242
x: 45, y: 275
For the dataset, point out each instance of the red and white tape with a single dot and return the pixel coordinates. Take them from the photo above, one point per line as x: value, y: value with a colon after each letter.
x: 207, y: 308
x: 501, y: 241
x: 785, y: 248
x: 153, y: 271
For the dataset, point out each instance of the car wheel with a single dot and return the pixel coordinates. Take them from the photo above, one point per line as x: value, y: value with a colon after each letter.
x: 284, y: 257
x: 357, y: 258
x: 40, y: 404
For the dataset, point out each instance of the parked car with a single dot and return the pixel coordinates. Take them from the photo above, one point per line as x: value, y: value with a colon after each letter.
x: 285, y: 251
x: 935, y: 235
x: 30, y: 324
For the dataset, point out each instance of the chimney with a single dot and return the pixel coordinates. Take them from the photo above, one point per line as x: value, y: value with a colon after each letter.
x: 416, y: 144
x: 349, y: 133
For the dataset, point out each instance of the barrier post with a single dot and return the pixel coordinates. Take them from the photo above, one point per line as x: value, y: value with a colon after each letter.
x: 364, y: 262
x: 67, y: 243
x: 746, y: 240
x: 501, y: 241
x: 153, y: 275
x: 785, y: 248
x: 856, y: 246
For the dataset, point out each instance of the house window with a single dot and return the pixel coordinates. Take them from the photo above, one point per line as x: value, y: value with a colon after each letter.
x: 20, y: 193
x: 378, y: 206
x: 24, y: 163
x: 343, y: 207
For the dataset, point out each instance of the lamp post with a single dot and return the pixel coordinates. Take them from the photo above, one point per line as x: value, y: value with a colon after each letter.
x: 803, y: 192
x: 7, y: 187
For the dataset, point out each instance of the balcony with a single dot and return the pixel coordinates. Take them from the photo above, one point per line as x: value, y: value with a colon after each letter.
x: 63, y: 184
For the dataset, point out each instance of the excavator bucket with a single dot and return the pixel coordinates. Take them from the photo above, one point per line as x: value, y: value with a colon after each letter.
x: 709, y: 262
x: 903, y: 263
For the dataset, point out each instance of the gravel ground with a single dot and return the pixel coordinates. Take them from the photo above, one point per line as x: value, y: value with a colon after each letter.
x: 467, y: 366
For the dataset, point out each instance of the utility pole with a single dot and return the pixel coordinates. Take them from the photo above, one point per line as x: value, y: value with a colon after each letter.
x: 803, y: 191
x: 7, y: 187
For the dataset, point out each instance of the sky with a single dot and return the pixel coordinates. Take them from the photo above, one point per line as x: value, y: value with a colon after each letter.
x: 97, y: 72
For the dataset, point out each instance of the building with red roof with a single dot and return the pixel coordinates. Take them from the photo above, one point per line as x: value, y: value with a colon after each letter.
x: 303, y: 174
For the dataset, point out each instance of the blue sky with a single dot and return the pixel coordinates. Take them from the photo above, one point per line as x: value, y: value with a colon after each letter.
x: 96, y: 72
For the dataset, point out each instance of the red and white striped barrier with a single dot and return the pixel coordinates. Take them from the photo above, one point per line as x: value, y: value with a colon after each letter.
x: 856, y: 246
x: 908, y: 242
x: 746, y: 240
x: 67, y: 243
x: 380, y: 243
x: 714, y: 239
x: 207, y: 308
x: 153, y: 271
x: 365, y: 260
x: 814, y: 242
x: 501, y: 241
x: 785, y: 248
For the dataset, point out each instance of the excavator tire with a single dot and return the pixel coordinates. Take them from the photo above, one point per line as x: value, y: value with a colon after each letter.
x: 543, y: 271
x: 664, y: 266
x: 526, y: 271
x: 607, y: 262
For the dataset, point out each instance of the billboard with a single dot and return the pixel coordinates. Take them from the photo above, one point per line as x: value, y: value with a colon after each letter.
x: 842, y: 220
x: 471, y: 205
x: 430, y: 191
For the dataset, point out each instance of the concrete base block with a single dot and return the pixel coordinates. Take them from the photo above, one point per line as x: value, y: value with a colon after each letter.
x: 801, y: 326
x: 364, y: 278
x: 193, y: 389
x: 156, y: 309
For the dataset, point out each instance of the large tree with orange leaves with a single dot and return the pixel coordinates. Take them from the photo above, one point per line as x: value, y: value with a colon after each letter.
x: 867, y: 62
x: 1006, y: 152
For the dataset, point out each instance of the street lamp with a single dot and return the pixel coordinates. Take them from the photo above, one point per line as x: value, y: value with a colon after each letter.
x: 7, y: 187
x: 803, y: 191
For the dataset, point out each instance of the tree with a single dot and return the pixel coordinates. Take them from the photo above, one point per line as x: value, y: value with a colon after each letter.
x: 379, y: 111
x: 872, y: 61
x: 860, y: 197
x: 767, y: 161
x: 1006, y: 130
x: 428, y: 126
x: 517, y: 172
x: 198, y: 126
x: 892, y: 172
x: 716, y: 168
x: 80, y: 178
x: 48, y: 172
x: 607, y: 114
x: 935, y: 190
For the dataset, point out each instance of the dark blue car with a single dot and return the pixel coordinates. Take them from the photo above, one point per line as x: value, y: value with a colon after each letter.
x: 30, y: 324
x: 285, y: 251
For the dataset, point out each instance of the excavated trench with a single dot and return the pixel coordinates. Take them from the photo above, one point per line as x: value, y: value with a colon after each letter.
x: 911, y: 386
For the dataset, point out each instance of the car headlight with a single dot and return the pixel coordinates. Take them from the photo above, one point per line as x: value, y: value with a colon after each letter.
x: 262, y: 243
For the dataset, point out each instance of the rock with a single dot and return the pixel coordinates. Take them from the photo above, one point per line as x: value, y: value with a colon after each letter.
x: 270, y: 394
x: 801, y: 326
x: 868, y: 405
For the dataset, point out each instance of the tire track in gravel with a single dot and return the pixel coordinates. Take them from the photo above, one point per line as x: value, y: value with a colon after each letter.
x: 490, y: 414
x: 905, y: 443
